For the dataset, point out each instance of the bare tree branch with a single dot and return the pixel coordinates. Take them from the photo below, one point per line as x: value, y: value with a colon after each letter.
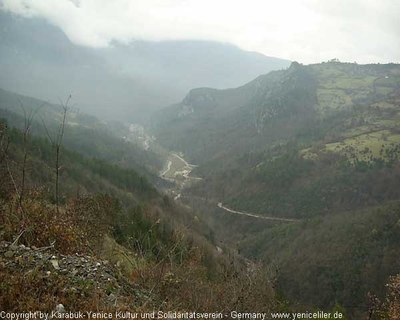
x: 47, y: 132
x: 28, y: 119
x: 57, y: 143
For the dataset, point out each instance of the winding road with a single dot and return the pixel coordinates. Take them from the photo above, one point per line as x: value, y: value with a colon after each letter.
x: 184, y: 172
x: 249, y: 214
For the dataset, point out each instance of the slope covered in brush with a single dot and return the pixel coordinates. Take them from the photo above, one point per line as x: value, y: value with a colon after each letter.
x: 112, y: 242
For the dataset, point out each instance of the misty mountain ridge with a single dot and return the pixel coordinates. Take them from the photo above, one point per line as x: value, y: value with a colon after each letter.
x: 122, y: 81
x: 272, y: 108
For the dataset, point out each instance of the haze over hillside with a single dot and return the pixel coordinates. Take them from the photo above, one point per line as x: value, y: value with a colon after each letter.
x: 121, y: 81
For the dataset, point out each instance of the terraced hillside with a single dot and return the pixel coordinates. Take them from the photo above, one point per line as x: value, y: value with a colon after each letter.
x: 366, y: 98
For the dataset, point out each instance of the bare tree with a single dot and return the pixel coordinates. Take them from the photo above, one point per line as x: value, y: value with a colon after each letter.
x: 4, y: 147
x: 28, y: 119
x: 57, y: 143
x: 4, y: 144
x: 3, y: 129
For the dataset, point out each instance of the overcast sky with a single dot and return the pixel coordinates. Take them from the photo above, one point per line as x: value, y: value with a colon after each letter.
x: 307, y: 31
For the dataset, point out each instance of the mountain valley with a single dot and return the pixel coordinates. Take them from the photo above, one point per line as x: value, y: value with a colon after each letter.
x: 271, y: 190
x: 317, y: 143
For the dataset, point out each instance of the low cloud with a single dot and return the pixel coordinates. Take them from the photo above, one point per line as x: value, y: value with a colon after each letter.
x: 307, y: 31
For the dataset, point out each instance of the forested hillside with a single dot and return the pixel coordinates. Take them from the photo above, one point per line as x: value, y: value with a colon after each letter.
x: 303, y: 103
x: 101, y: 237
x: 86, y: 133
x: 318, y: 143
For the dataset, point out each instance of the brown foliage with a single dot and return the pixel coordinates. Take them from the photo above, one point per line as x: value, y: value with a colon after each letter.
x: 70, y: 229
x: 39, y: 224
x: 393, y: 299
x: 187, y: 286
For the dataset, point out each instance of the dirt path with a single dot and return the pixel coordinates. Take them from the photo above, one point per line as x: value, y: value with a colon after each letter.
x: 168, y: 168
